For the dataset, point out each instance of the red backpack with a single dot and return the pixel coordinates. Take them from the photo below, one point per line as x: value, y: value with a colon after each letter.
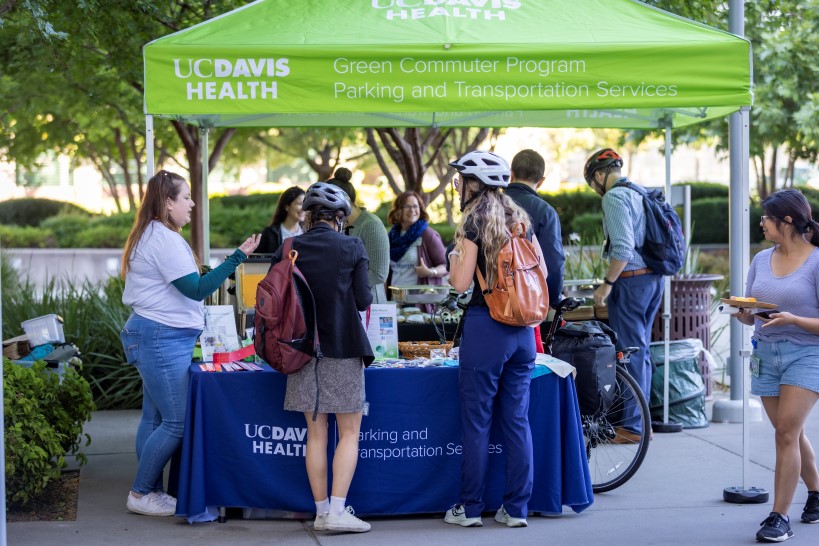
x: 286, y: 334
x: 520, y: 296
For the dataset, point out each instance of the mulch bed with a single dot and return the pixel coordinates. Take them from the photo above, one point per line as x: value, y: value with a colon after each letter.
x: 57, y: 502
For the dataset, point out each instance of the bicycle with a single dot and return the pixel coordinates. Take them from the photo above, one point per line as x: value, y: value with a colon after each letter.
x: 613, y: 458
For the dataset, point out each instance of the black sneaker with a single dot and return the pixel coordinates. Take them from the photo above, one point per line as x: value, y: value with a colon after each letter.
x: 775, y: 528
x: 810, y: 513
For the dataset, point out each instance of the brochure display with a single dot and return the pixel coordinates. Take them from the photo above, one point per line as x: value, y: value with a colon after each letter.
x: 381, y: 326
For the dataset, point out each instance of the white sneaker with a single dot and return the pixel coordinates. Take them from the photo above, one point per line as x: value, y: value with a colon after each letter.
x: 321, y: 522
x: 457, y: 516
x: 346, y: 521
x: 502, y: 516
x: 167, y: 499
x: 150, y: 505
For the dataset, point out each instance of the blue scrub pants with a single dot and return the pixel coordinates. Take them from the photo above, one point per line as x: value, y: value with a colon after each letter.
x: 632, y: 305
x: 496, y: 363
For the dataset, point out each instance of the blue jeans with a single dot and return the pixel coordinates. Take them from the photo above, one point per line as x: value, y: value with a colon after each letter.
x: 162, y: 354
x: 633, y: 303
x: 496, y: 363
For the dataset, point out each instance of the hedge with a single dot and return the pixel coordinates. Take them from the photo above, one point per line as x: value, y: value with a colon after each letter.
x: 29, y: 211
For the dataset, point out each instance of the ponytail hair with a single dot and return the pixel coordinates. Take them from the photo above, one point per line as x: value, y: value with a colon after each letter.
x: 813, y: 229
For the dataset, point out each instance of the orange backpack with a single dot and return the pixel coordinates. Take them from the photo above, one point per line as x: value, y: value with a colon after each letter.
x: 520, y: 296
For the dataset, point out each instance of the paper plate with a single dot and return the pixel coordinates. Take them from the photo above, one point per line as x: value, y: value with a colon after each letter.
x: 755, y: 304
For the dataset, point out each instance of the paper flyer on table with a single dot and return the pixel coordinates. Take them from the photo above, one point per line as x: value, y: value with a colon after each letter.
x: 560, y: 367
x: 381, y: 324
x: 219, y: 335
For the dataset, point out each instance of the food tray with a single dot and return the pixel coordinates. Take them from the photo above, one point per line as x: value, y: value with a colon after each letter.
x: 421, y: 349
x: 419, y: 293
x: 748, y: 304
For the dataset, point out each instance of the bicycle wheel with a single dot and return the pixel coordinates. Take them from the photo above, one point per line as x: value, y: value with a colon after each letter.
x: 614, y: 457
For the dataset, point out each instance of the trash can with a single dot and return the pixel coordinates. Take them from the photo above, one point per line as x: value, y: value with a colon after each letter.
x: 690, y: 315
x: 686, y: 388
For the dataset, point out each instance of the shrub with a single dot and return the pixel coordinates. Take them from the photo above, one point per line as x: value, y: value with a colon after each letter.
x: 31, y: 212
x: 446, y: 231
x: 120, y: 220
x: 43, y: 421
x: 571, y: 204
x: 266, y: 201
x: 26, y: 237
x: 706, y: 190
x: 102, y: 237
x: 231, y: 226
x: 65, y: 228
x: 588, y: 225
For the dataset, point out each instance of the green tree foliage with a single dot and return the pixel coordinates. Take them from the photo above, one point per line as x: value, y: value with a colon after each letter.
x: 784, y: 39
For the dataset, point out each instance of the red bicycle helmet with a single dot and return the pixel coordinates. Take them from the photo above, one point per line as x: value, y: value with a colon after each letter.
x: 601, y: 159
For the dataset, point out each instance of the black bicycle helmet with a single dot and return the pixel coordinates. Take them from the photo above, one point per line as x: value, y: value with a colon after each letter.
x: 489, y: 168
x: 327, y: 197
x: 601, y: 159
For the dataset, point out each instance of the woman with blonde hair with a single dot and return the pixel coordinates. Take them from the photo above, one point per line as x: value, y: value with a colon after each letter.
x: 165, y: 289
x: 496, y: 360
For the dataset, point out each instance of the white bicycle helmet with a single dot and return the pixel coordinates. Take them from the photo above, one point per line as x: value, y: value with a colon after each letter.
x: 328, y: 197
x: 489, y: 168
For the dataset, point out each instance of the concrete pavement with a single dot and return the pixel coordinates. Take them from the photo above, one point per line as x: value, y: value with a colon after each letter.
x: 675, y: 498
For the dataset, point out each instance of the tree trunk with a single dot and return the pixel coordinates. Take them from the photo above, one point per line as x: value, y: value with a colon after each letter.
x: 192, y: 142
x: 772, y: 172
x: 790, y: 170
x: 123, y: 163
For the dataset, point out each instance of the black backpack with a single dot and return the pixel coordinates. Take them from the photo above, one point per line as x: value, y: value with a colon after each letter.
x: 589, y: 347
x: 663, y: 250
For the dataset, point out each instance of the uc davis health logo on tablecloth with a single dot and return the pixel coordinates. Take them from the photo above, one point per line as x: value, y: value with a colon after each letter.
x: 273, y: 440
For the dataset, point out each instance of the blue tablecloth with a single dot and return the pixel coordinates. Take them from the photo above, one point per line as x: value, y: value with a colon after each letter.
x: 241, y: 449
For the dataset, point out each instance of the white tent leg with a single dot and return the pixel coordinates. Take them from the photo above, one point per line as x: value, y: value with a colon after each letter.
x: 667, y: 290
x: 149, y: 144
x: 203, y: 132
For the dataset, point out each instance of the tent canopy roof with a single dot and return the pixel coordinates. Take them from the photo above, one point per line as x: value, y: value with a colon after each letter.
x: 478, y: 63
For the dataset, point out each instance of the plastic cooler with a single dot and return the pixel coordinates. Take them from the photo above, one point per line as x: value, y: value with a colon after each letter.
x: 45, y: 329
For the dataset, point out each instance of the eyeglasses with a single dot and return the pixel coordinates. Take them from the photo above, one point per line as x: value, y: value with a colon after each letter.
x: 766, y: 218
x: 411, y: 207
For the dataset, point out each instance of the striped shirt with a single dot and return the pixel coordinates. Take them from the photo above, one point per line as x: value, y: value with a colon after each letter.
x: 624, y: 226
x: 797, y: 293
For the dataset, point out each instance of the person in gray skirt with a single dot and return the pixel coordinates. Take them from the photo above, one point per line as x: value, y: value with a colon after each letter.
x: 335, y: 267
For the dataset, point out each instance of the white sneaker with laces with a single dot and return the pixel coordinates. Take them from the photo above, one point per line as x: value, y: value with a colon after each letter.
x: 457, y: 516
x: 167, y: 499
x: 150, y: 505
x: 321, y: 522
x: 502, y: 516
x: 346, y: 521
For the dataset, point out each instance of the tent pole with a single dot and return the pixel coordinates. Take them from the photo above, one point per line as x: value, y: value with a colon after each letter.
x: 739, y: 250
x: 203, y: 131
x: 149, y: 144
x: 667, y: 288
x: 665, y: 425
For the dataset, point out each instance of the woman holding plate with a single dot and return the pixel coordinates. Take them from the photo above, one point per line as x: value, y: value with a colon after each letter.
x: 785, y: 360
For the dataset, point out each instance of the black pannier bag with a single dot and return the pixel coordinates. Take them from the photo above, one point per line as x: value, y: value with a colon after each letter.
x: 589, y: 347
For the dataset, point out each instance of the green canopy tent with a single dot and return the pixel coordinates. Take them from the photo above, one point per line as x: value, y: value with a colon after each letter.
x: 467, y: 63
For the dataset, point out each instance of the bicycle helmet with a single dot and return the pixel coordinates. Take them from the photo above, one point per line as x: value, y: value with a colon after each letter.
x: 489, y: 168
x: 601, y: 159
x: 328, y: 197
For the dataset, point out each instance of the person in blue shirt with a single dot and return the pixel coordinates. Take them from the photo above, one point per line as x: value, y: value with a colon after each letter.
x: 631, y: 290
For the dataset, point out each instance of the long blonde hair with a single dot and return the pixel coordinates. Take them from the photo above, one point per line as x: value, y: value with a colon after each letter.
x: 162, y: 186
x: 492, y: 215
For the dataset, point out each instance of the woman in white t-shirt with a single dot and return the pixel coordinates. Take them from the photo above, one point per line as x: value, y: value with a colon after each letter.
x: 165, y: 290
